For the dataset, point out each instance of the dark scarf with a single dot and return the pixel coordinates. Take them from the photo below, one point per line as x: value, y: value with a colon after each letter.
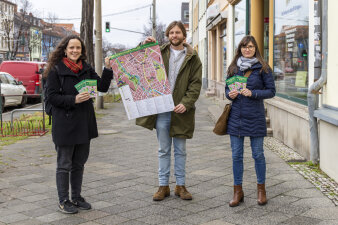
x: 75, y: 67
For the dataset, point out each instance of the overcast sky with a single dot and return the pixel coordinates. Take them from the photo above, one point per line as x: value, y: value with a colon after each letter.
x: 166, y: 11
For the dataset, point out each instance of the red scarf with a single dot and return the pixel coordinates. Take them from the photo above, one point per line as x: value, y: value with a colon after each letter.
x: 75, y: 67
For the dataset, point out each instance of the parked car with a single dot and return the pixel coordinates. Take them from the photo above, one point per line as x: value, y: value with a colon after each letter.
x: 279, y: 74
x: 11, y: 91
x: 29, y: 73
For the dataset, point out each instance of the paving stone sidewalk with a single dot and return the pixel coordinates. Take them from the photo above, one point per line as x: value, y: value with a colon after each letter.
x: 121, y: 177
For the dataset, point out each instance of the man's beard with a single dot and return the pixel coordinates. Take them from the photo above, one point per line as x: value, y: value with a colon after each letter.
x: 178, y: 43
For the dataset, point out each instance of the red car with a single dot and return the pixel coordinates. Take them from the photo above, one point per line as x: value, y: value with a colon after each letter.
x: 29, y: 73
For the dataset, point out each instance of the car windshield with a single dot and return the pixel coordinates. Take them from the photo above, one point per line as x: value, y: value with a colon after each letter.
x: 10, y: 79
x: 3, y: 79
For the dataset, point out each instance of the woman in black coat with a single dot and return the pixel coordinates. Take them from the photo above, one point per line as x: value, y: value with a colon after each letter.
x: 74, y: 122
x: 247, y: 115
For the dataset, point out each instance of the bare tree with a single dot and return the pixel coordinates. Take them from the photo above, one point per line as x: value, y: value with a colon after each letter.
x: 15, y: 36
x: 111, y: 49
x: 160, y: 33
x: 8, y: 25
x: 51, y: 34
x: 86, y: 30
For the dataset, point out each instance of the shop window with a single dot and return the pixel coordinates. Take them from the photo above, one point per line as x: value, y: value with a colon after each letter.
x: 186, y: 14
x: 240, y: 21
x: 224, y: 50
x: 291, y: 37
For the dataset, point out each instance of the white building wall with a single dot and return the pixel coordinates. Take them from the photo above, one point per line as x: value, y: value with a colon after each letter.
x: 189, y: 35
x: 202, y: 40
x: 328, y: 131
x: 5, y: 14
x: 195, y: 26
x: 331, y: 88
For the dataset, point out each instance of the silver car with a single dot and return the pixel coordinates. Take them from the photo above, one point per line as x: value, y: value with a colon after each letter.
x: 11, y: 91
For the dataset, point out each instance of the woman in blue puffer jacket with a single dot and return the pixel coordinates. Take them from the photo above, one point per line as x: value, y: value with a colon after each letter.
x: 247, y: 115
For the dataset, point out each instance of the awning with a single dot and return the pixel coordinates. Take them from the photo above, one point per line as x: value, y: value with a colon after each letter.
x: 217, y: 19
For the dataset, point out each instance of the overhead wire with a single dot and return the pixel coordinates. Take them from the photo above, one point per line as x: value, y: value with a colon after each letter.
x: 112, y: 14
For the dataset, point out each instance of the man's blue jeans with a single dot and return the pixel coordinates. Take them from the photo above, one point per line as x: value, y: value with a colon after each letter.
x: 257, y: 155
x: 164, y: 151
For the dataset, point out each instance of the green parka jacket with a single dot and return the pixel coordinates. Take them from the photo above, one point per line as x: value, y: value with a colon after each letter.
x: 187, y: 90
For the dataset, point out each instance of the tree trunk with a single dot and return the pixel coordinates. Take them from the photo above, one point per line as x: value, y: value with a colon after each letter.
x: 86, y: 31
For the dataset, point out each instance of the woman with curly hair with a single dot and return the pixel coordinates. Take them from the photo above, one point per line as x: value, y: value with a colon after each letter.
x: 74, y: 122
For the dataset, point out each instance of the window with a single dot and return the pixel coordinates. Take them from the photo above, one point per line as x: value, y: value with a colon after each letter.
x: 240, y: 21
x: 224, y: 50
x: 186, y: 14
x: 291, y: 37
x: 3, y: 79
x: 10, y: 79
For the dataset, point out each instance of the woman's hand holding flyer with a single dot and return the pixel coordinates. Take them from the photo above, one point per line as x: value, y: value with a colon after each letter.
x: 237, y: 83
x: 88, y: 86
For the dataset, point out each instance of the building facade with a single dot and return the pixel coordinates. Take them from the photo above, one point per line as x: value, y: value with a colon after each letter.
x: 6, y: 28
x: 327, y: 113
x: 289, y: 38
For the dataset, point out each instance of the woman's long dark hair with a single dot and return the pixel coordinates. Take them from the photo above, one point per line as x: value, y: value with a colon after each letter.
x: 59, y: 53
x: 232, y: 69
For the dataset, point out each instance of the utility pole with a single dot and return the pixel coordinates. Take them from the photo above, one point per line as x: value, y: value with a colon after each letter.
x: 98, y: 48
x: 154, y: 19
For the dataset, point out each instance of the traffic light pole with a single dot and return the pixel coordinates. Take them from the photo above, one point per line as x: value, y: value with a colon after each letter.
x: 1, y: 109
x: 98, y: 48
x: 154, y: 19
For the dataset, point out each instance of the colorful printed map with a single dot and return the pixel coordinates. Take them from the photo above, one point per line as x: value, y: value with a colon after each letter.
x: 142, y: 81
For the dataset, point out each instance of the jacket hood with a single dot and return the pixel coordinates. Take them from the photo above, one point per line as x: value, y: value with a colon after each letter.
x: 190, y: 50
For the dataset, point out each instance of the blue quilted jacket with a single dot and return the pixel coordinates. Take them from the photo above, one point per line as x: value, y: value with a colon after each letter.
x: 247, y: 115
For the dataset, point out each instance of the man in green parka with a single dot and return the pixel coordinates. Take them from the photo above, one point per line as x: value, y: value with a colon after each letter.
x: 184, y: 71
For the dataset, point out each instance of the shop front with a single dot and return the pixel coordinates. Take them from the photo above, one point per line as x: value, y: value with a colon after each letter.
x: 291, y: 47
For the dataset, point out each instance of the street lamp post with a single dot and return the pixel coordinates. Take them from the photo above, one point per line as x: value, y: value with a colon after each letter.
x: 98, y: 48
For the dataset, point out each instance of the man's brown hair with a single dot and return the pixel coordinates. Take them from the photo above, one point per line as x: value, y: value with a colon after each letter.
x: 172, y: 25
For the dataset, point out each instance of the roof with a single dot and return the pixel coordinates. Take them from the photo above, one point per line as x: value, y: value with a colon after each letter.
x: 68, y: 26
x: 8, y: 2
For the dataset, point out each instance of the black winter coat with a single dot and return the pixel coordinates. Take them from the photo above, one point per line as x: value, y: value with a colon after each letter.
x: 247, y: 115
x: 73, y: 123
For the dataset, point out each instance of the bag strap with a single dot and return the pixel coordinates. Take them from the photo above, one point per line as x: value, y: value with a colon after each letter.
x: 248, y: 73
x: 61, y: 78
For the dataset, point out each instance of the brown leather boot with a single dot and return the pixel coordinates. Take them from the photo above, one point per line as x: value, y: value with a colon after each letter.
x: 238, y: 196
x: 163, y: 191
x: 182, y: 192
x: 261, y: 194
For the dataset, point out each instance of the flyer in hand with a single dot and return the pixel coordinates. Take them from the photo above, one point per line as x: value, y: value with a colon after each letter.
x: 142, y: 81
x: 236, y: 83
x: 87, y: 85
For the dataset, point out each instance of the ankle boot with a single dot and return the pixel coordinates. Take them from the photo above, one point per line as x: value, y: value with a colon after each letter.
x: 261, y: 194
x: 182, y: 192
x: 238, y: 196
x: 162, y: 193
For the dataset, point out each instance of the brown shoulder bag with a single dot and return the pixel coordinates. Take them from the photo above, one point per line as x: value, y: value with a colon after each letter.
x: 222, y: 122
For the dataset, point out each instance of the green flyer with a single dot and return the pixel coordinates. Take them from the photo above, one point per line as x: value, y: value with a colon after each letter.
x: 89, y: 86
x: 236, y: 83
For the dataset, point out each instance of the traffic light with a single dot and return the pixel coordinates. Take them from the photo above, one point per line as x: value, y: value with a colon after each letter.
x: 304, y: 53
x: 107, y: 27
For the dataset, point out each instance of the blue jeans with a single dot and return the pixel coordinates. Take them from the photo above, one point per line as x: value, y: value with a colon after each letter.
x: 164, y: 151
x: 257, y: 155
